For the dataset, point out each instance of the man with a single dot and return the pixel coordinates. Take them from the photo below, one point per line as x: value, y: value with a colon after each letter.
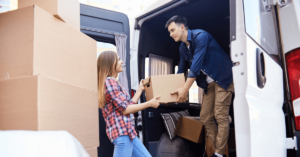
x: 211, y: 67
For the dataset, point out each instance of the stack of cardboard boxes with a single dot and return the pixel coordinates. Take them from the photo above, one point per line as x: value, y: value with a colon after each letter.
x: 48, y: 71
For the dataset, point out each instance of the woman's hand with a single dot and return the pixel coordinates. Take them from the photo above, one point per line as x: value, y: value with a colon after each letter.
x: 154, y: 102
x: 141, y: 86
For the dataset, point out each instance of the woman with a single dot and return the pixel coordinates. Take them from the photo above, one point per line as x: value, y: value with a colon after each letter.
x: 116, y: 107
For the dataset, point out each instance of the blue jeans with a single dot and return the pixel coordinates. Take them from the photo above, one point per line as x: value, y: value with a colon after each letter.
x: 124, y: 147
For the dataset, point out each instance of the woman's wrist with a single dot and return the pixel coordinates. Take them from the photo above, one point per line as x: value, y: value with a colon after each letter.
x: 149, y: 104
x: 139, y: 90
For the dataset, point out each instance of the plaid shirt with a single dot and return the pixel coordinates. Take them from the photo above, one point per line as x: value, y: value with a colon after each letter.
x: 117, y: 100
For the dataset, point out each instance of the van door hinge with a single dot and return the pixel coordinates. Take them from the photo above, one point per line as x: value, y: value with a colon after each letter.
x: 280, y: 2
x: 267, y: 4
x: 291, y: 143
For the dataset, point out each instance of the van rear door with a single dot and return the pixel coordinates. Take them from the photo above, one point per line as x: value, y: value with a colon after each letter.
x: 258, y: 79
x: 101, y: 24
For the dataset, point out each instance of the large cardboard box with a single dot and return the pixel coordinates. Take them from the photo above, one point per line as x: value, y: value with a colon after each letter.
x: 66, y: 10
x: 190, y: 128
x: 93, y: 152
x: 163, y: 85
x: 40, y: 103
x: 33, y: 42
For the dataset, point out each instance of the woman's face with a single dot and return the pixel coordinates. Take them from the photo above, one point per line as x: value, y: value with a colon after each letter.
x: 119, y: 67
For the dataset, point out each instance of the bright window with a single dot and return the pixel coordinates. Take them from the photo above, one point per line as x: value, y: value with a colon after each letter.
x: 4, y: 5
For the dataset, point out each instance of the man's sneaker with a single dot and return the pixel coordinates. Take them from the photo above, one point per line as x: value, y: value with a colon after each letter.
x: 214, y: 155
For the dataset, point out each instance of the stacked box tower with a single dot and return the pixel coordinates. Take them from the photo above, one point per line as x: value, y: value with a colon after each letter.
x: 48, y: 71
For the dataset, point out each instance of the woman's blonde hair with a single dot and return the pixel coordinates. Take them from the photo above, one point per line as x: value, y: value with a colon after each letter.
x: 107, y: 62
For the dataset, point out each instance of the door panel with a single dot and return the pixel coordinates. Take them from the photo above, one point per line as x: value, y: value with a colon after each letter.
x: 289, y: 21
x: 267, y: 122
x: 259, y: 118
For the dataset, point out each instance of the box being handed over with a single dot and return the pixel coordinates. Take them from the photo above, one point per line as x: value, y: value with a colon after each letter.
x: 163, y: 85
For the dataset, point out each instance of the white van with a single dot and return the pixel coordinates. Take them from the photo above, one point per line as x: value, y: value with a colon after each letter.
x: 263, y: 38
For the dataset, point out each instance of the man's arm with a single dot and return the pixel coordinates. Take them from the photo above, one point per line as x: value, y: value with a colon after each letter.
x: 182, y: 65
x: 182, y: 92
x: 201, y: 43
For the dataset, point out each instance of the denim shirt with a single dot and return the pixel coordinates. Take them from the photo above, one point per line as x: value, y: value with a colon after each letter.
x: 205, y: 54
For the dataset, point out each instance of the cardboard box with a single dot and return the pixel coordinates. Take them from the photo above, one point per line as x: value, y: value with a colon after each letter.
x: 190, y: 128
x: 163, y: 85
x: 93, y: 152
x: 33, y: 42
x: 40, y: 103
x: 65, y: 10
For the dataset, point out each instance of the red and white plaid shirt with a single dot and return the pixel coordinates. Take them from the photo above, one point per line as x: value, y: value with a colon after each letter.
x: 117, y: 100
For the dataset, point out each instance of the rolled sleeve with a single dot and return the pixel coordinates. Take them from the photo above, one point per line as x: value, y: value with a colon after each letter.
x: 192, y: 74
x: 117, y: 97
x: 201, y: 44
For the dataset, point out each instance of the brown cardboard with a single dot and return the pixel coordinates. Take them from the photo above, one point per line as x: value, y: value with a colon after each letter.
x: 93, y: 152
x: 66, y: 10
x: 163, y: 85
x: 190, y: 128
x: 33, y: 42
x: 40, y: 103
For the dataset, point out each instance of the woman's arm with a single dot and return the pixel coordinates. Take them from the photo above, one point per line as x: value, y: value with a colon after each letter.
x: 138, y: 93
x: 137, y: 96
x: 138, y: 107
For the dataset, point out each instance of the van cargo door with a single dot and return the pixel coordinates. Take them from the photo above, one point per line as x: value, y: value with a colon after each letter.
x: 258, y: 80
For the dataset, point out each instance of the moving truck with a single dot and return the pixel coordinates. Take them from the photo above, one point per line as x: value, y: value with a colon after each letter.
x: 262, y: 38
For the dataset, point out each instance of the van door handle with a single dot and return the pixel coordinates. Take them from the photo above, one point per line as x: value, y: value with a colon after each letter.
x: 260, y: 69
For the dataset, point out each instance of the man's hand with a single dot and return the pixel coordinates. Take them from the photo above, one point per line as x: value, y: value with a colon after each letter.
x: 182, y: 95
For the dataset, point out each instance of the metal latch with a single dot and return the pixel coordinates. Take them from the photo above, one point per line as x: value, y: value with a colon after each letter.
x: 291, y: 143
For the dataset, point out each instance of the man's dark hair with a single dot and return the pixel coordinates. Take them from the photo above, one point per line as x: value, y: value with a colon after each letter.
x: 179, y: 20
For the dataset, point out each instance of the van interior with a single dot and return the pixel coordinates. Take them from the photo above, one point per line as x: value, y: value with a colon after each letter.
x: 211, y: 16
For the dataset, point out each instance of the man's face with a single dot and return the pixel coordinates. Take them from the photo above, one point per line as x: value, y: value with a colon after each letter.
x: 176, y: 31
